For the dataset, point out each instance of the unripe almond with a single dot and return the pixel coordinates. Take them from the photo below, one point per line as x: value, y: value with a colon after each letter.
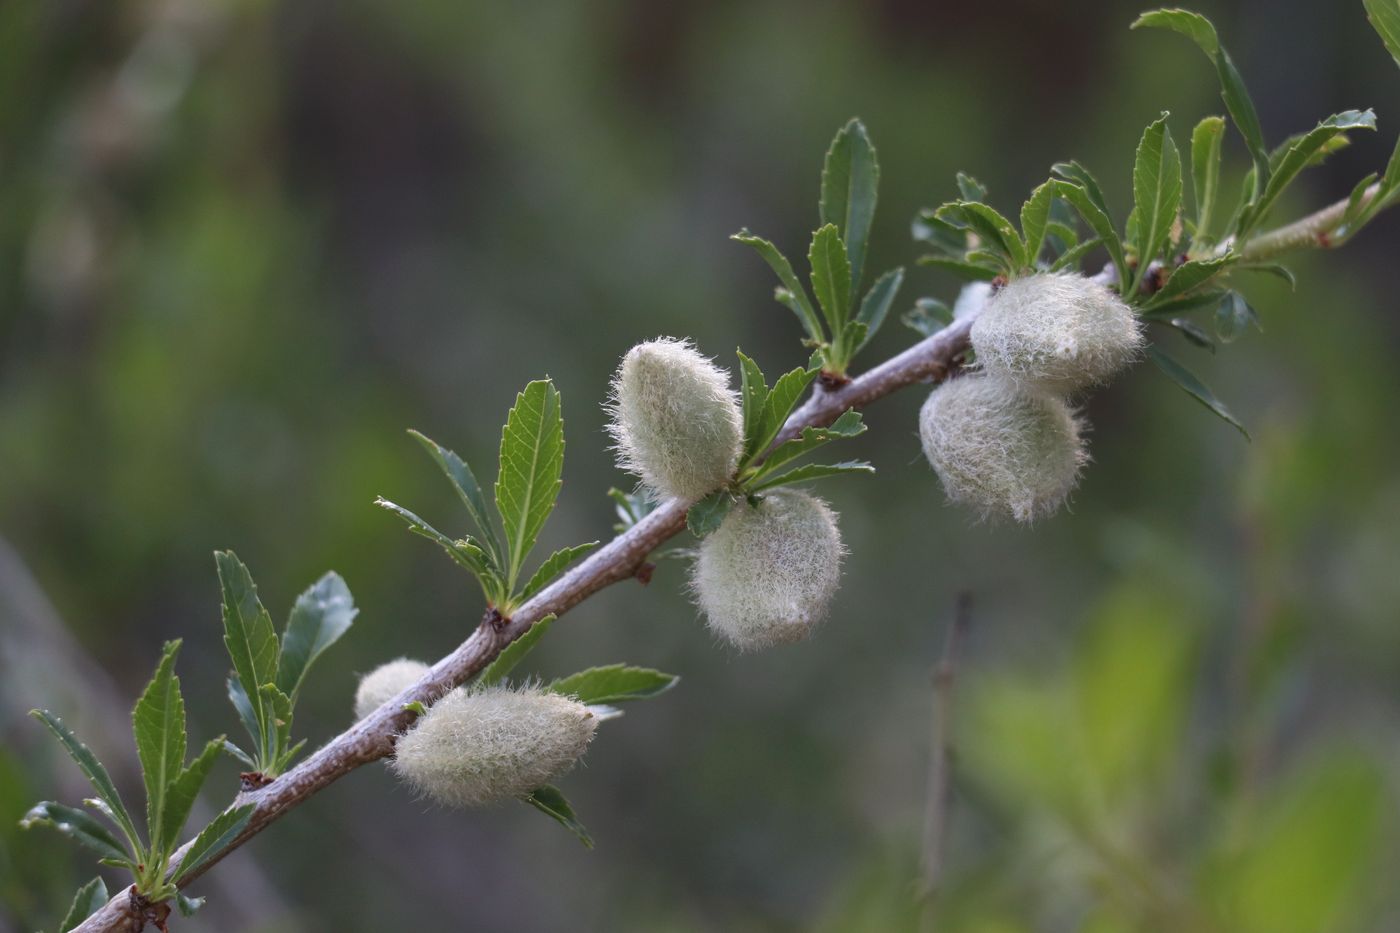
x: 386, y: 682
x: 1061, y: 332
x: 476, y: 746
x: 675, y: 421
x: 767, y: 574
x: 1004, y: 449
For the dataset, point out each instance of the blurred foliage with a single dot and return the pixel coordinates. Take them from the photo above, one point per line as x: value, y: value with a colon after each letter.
x: 245, y: 244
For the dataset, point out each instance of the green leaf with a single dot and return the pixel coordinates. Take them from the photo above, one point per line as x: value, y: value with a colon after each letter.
x: 88, y: 901
x: 970, y: 188
x: 707, y: 514
x: 237, y: 753
x: 1300, y: 154
x: 780, y: 403
x: 968, y: 271
x: 831, y: 276
x: 279, y: 707
x: 1191, y: 275
x: 1233, y: 316
x: 554, y: 566
x: 1237, y: 101
x: 615, y: 683
x: 876, y: 304
x: 1073, y: 255
x: 1281, y: 272
x: 220, y: 832
x: 1060, y: 235
x: 850, y: 177
x: 549, y: 801
x: 1193, y: 301
x: 513, y: 653
x: 244, y: 707
x: 416, y: 707
x: 469, y: 491
x: 996, y: 231
x: 1035, y: 217
x: 464, y: 551
x: 813, y: 471
x: 158, y: 723
x: 180, y: 796
x: 1206, y: 141
x: 93, y: 770
x: 779, y: 263
x: 630, y: 508
x: 1098, y: 220
x: 1078, y: 174
x: 1193, y: 387
x: 78, y: 826
x: 1193, y: 332
x: 849, y: 424
x: 753, y: 393
x: 1356, y: 204
x: 249, y: 637
x: 1156, y: 193
x: 319, y: 617
x: 928, y: 316
x: 189, y: 906
x: 531, y: 469
x: 1385, y: 17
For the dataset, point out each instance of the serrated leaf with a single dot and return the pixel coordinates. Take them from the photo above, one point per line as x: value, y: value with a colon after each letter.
x: 1206, y: 140
x: 780, y: 265
x: 239, y: 754
x: 465, y: 551
x: 1194, y: 301
x: 927, y: 317
x: 78, y: 826
x: 996, y: 231
x: 513, y: 653
x: 1193, y: 387
x: 321, y: 614
x: 876, y: 304
x: 1385, y: 17
x: 189, y: 906
x: 968, y: 271
x: 1076, y: 173
x: 1300, y: 154
x: 928, y: 228
x: 1356, y: 204
x: 221, y: 831
x: 1061, y: 236
x: 1035, y: 218
x: 780, y: 403
x: 970, y: 188
x: 707, y: 514
x: 1073, y: 255
x: 1098, y: 221
x: 553, y: 566
x: 813, y: 471
x: 1156, y: 193
x: 249, y: 637
x: 158, y: 724
x: 244, y: 708
x: 1190, y: 275
x: 552, y: 803
x: 469, y: 491
x: 88, y: 901
x: 1233, y: 316
x: 279, y: 707
x: 849, y: 424
x: 614, y: 683
x: 753, y: 393
x: 531, y: 469
x: 850, y: 178
x: 1237, y: 101
x: 180, y: 796
x: 93, y: 770
x: 831, y: 276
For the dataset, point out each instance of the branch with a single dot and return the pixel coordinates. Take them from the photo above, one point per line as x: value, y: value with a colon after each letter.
x: 1312, y: 230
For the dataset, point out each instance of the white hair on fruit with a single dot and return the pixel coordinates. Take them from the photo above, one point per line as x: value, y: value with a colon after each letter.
x: 386, y: 682
x: 477, y: 746
x: 675, y: 421
x: 767, y: 574
x: 1061, y: 331
x: 1002, y: 448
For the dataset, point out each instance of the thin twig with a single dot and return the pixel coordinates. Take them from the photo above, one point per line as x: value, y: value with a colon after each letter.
x: 940, y: 766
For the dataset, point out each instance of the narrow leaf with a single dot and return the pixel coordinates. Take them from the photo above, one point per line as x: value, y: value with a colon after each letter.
x: 1078, y: 174
x: 321, y: 614
x: 552, y: 803
x: 1301, y: 153
x: 707, y: 514
x: 239, y: 755
x: 813, y: 471
x: 779, y: 263
x: 212, y: 840
x: 464, y: 551
x: 554, y: 566
x: 468, y: 490
x: 180, y: 797
x: 158, y: 724
x: 927, y: 317
x: 248, y: 635
x: 1073, y: 255
x: 93, y: 770
x: 1233, y: 316
x: 850, y: 178
x: 615, y: 683
x: 1190, y: 275
x: 995, y: 230
x: 1193, y: 386
x: 849, y: 424
x: 279, y: 707
x: 876, y: 304
x: 831, y: 276
x: 88, y: 901
x: 780, y: 403
x: 753, y: 393
x: 1080, y: 199
x: 78, y: 826
x: 968, y: 271
x: 1192, y: 332
x: 630, y: 507
x: 1035, y: 217
x: 189, y: 906
x: 531, y: 469
x: 513, y: 653
x: 244, y: 708
x: 1385, y: 17
x: 1156, y: 193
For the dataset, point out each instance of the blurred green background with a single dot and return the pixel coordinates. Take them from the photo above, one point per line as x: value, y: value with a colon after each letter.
x: 244, y: 245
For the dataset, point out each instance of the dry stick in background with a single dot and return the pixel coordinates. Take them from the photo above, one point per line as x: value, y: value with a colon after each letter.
x: 372, y: 738
x: 940, y: 769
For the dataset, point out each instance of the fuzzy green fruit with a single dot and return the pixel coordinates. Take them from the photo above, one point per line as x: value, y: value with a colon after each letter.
x: 386, y: 682
x: 1004, y: 449
x: 767, y: 574
x: 675, y: 421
